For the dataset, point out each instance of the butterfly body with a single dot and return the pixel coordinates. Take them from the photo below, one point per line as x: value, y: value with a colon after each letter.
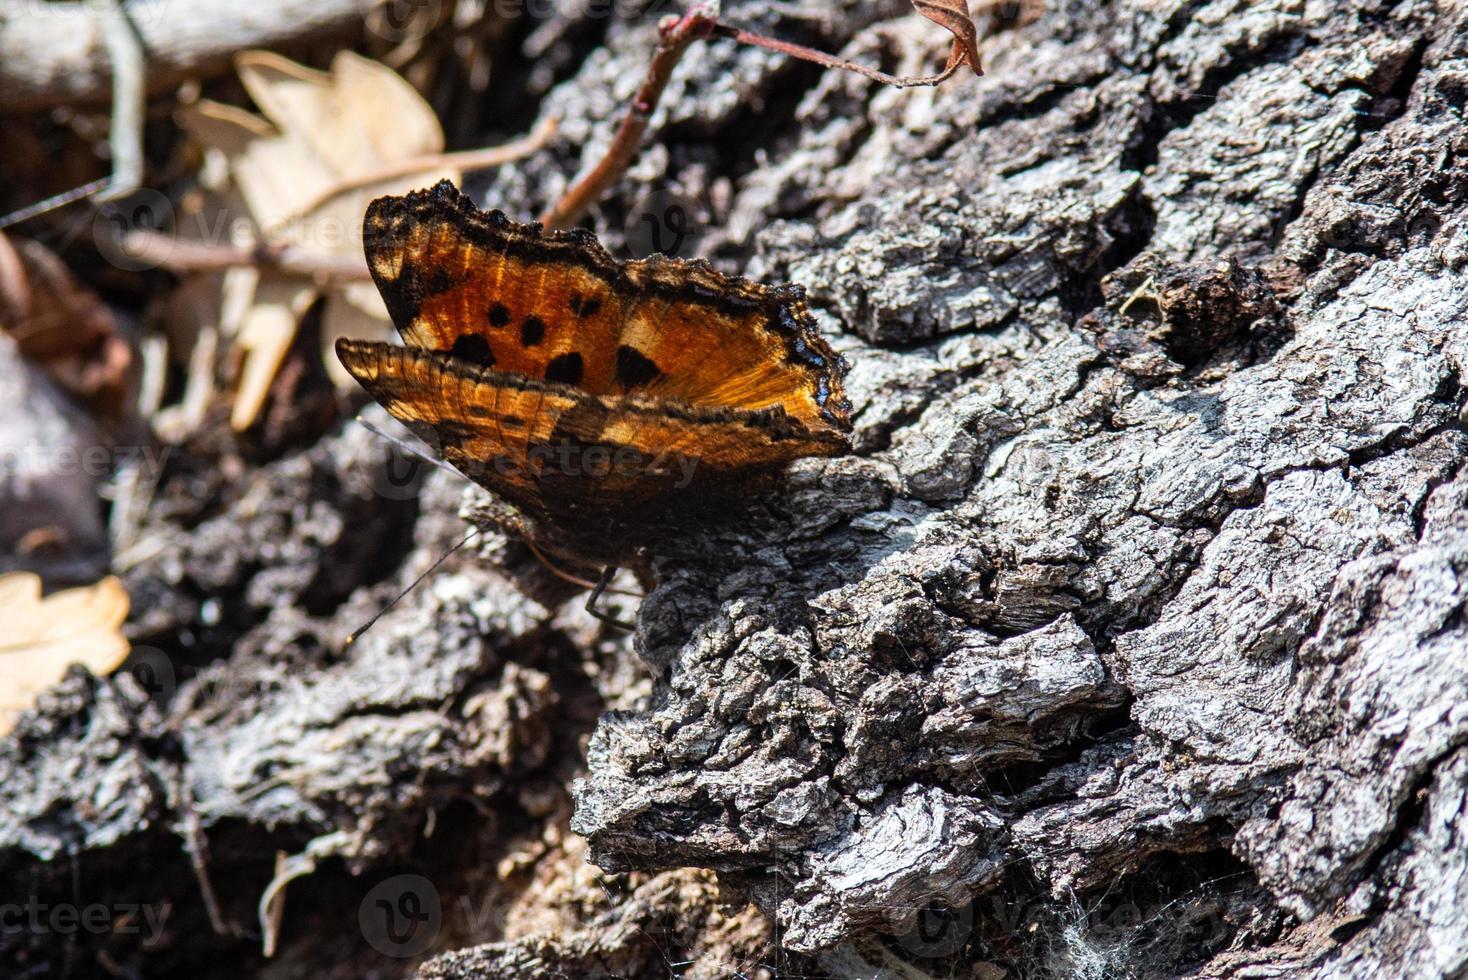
x: 605, y: 400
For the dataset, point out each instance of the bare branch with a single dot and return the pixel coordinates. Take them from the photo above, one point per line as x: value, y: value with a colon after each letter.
x: 830, y: 61
x: 53, y: 53
x: 161, y: 250
x: 129, y: 99
x: 674, y: 37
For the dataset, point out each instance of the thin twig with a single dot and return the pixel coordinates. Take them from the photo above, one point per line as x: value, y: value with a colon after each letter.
x: 465, y: 160
x: 160, y: 250
x: 53, y: 202
x: 129, y: 98
x: 830, y: 61
x: 674, y: 37
x: 197, y: 847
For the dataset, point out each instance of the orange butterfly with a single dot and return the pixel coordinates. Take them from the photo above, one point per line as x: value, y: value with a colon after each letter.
x: 602, y: 399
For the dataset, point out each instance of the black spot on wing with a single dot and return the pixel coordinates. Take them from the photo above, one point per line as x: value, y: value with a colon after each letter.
x: 565, y: 368
x: 454, y: 431
x: 499, y: 315
x: 634, y: 368
x: 402, y: 306
x: 532, y: 331
x: 404, y: 295
x: 584, y: 306
x: 473, y: 348
x: 582, y: 423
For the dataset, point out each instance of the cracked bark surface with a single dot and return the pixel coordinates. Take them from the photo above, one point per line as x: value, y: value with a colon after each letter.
x: 1132, y: 636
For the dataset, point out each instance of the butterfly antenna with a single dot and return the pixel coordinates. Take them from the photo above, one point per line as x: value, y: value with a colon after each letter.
x: 407, y: 448
x: 399, y: 597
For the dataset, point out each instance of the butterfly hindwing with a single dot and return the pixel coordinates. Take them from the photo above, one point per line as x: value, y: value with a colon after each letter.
x: 483, y: 430
x: 556, y: 451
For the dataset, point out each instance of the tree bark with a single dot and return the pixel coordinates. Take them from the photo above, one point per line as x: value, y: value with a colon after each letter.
x: 1129, y: 643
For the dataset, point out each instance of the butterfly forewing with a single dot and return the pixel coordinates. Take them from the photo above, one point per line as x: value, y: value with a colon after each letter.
x: 556, y: 307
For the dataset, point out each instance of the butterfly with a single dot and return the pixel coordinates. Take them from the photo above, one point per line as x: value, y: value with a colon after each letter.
x: 605, y: 400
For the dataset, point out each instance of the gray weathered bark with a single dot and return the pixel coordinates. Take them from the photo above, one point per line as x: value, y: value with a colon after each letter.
x: 1133, y: 634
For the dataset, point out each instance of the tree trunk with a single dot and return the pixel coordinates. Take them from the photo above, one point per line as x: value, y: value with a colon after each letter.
x: 1131, y: 642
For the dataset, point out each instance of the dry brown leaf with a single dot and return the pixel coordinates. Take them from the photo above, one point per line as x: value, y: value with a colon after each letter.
x: 953, y: 17
x: 64, y: 327
x: 43, y: 637
x: 319, y: 130
x: 265, y: 336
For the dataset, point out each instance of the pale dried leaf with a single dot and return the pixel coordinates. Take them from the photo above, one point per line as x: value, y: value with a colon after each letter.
x: 360, y: 115
x: 319, y: 130
x: 191, y: 321
x: 44, y: 636
x: 354, y: 310
x: 266, y: 336
x: 274, y: 170
x: 224, y: 127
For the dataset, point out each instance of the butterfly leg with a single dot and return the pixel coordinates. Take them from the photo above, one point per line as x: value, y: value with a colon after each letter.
x: 596, y: 593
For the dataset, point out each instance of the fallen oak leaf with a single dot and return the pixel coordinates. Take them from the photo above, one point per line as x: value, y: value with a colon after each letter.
x: 953, y: 17
x: 45, y: 636
x: 318, y: 131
